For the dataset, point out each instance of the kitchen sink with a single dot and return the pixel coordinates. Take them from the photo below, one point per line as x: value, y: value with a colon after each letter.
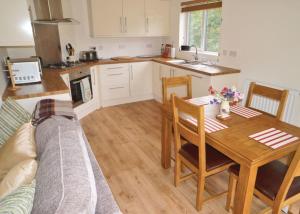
x: 190, y: 64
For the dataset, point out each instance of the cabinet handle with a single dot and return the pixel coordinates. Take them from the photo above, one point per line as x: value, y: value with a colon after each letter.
x: 131, y: 72
x: 113, y: 68
x: 121, y: 24
x: 114, y: 88
x: 118, y: 74
x: 125, y: 24
x: 147, y: 24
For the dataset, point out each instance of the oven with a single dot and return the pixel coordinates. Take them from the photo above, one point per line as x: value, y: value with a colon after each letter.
x: 81, y: 86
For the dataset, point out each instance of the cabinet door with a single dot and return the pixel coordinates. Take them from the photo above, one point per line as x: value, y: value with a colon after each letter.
x: 157, y: 17
x: 159, y: 72
x: 180, y: 91
x: 200, y: 84
x: 106, y: 17
x: 140, y: 79
x: 114, y: 81
x: 15, y: 24
x: 134, y: 17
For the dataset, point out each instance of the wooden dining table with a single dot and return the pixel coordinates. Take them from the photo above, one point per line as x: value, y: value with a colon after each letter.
x: 234, y: 142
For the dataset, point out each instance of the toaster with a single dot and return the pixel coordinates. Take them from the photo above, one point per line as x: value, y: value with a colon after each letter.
x: 26, y: 70
x: 87, y: 56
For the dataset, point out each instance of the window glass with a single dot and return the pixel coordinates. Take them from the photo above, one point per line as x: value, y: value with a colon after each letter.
x: 203, y: 29
x: 195, y: 26
x: 213, y: 30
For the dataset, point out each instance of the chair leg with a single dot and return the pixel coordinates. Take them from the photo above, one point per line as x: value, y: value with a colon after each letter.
x: 177, y: 172
x: 200, y: 192
x: 231, y: 191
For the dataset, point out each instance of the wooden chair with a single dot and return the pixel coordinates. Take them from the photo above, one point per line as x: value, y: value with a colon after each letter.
x: 277, y: 184
x: 167, y: 116
x: 202, y: 159
x: 272, y: 93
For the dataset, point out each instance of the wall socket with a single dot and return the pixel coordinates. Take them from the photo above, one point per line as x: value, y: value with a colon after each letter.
x: 232, y: 53
x: 121, y: 46
x: 149, y: 46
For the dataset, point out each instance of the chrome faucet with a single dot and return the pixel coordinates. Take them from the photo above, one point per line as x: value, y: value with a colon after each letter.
x: 196, y: 58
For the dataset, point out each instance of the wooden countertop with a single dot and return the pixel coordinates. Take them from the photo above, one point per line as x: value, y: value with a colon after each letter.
x: 209, y: 70
x: 53, y: 84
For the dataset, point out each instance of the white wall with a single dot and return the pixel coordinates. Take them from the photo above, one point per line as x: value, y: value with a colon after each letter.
x: 3, y: 78
x: 79, y: 36
x: 265, y: 37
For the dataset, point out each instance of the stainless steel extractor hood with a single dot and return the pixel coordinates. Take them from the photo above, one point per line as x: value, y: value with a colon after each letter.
x: 50, y: 12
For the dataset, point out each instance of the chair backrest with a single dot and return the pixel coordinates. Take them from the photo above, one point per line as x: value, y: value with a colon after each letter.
x: 173, y: 82
x: 292, y: 173
x: 271, y: 93
x: 187, y: 131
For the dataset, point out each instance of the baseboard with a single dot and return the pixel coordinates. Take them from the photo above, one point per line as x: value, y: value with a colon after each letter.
x: 113, y: 102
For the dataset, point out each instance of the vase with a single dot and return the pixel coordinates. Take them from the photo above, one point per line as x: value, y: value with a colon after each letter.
x: 225, y: 108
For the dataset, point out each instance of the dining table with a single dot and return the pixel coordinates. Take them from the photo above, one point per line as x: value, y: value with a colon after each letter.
x: 235, y: 143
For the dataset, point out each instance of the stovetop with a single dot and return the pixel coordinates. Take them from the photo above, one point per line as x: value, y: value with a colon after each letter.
x: 62, y: 65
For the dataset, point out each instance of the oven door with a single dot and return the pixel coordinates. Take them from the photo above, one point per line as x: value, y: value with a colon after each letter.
x: 76, y: 90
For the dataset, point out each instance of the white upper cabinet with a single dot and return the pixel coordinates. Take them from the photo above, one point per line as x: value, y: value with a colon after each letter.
x: 157, y: 17
x: 106, y: 17
x: 129, y: 18
x: 134, y: 17
x: 15, y: 24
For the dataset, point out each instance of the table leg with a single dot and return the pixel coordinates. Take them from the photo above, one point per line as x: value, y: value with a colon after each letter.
x: 245, y: 190
x: 165, y: 143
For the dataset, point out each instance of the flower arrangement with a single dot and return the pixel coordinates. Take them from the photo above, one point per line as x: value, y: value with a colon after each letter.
x: 226, y: 94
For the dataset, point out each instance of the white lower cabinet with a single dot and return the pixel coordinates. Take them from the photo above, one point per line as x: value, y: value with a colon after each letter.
x: 200, y: 82
x: 140, y: 79
x: 29, y: 103
x: 160, y: 71
x: 124, y: 83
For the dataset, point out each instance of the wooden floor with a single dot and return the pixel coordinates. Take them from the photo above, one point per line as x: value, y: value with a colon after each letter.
x: 126, y: 143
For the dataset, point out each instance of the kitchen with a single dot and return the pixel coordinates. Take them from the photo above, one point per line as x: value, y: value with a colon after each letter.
x: 135, y: 77
x: 112, y: 60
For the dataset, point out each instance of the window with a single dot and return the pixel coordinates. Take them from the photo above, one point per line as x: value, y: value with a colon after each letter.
x: 203, y: 29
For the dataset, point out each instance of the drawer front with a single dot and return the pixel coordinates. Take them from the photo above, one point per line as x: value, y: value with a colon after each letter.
x: 115, y: 91
x: 114, y: 74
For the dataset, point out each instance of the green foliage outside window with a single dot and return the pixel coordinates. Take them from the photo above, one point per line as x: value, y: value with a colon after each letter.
x: 204, y: 29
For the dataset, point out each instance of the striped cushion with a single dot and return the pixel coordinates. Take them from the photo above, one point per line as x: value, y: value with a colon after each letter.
x: 12, y: 116
x: 20, y: 201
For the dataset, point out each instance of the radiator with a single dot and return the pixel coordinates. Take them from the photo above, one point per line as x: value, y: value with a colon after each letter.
x: 271, y: 106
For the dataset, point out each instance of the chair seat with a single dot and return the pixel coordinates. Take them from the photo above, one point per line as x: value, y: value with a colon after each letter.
x: 269, y: 179
x: 214, y: 158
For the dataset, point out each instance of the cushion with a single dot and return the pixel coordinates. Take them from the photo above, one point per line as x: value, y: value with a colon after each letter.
x: 20, y: 201
x: 270, y: 177
x: 65, y: 179
x: 19, y: 147
x: 12, y: 116
x: 21, y: 174
x: 214, y: 158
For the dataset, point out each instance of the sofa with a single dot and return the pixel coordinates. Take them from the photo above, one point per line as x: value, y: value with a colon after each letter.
x: 67, y: 178
x: 63, y: 183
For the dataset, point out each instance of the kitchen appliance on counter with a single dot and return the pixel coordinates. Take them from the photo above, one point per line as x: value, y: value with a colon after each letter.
x: 62, y: 65
x: 88, y: 56
x: 26, y: 70
x: 81, y: 86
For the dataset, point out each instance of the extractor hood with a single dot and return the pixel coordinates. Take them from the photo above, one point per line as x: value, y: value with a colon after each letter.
x: 50, y: 12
